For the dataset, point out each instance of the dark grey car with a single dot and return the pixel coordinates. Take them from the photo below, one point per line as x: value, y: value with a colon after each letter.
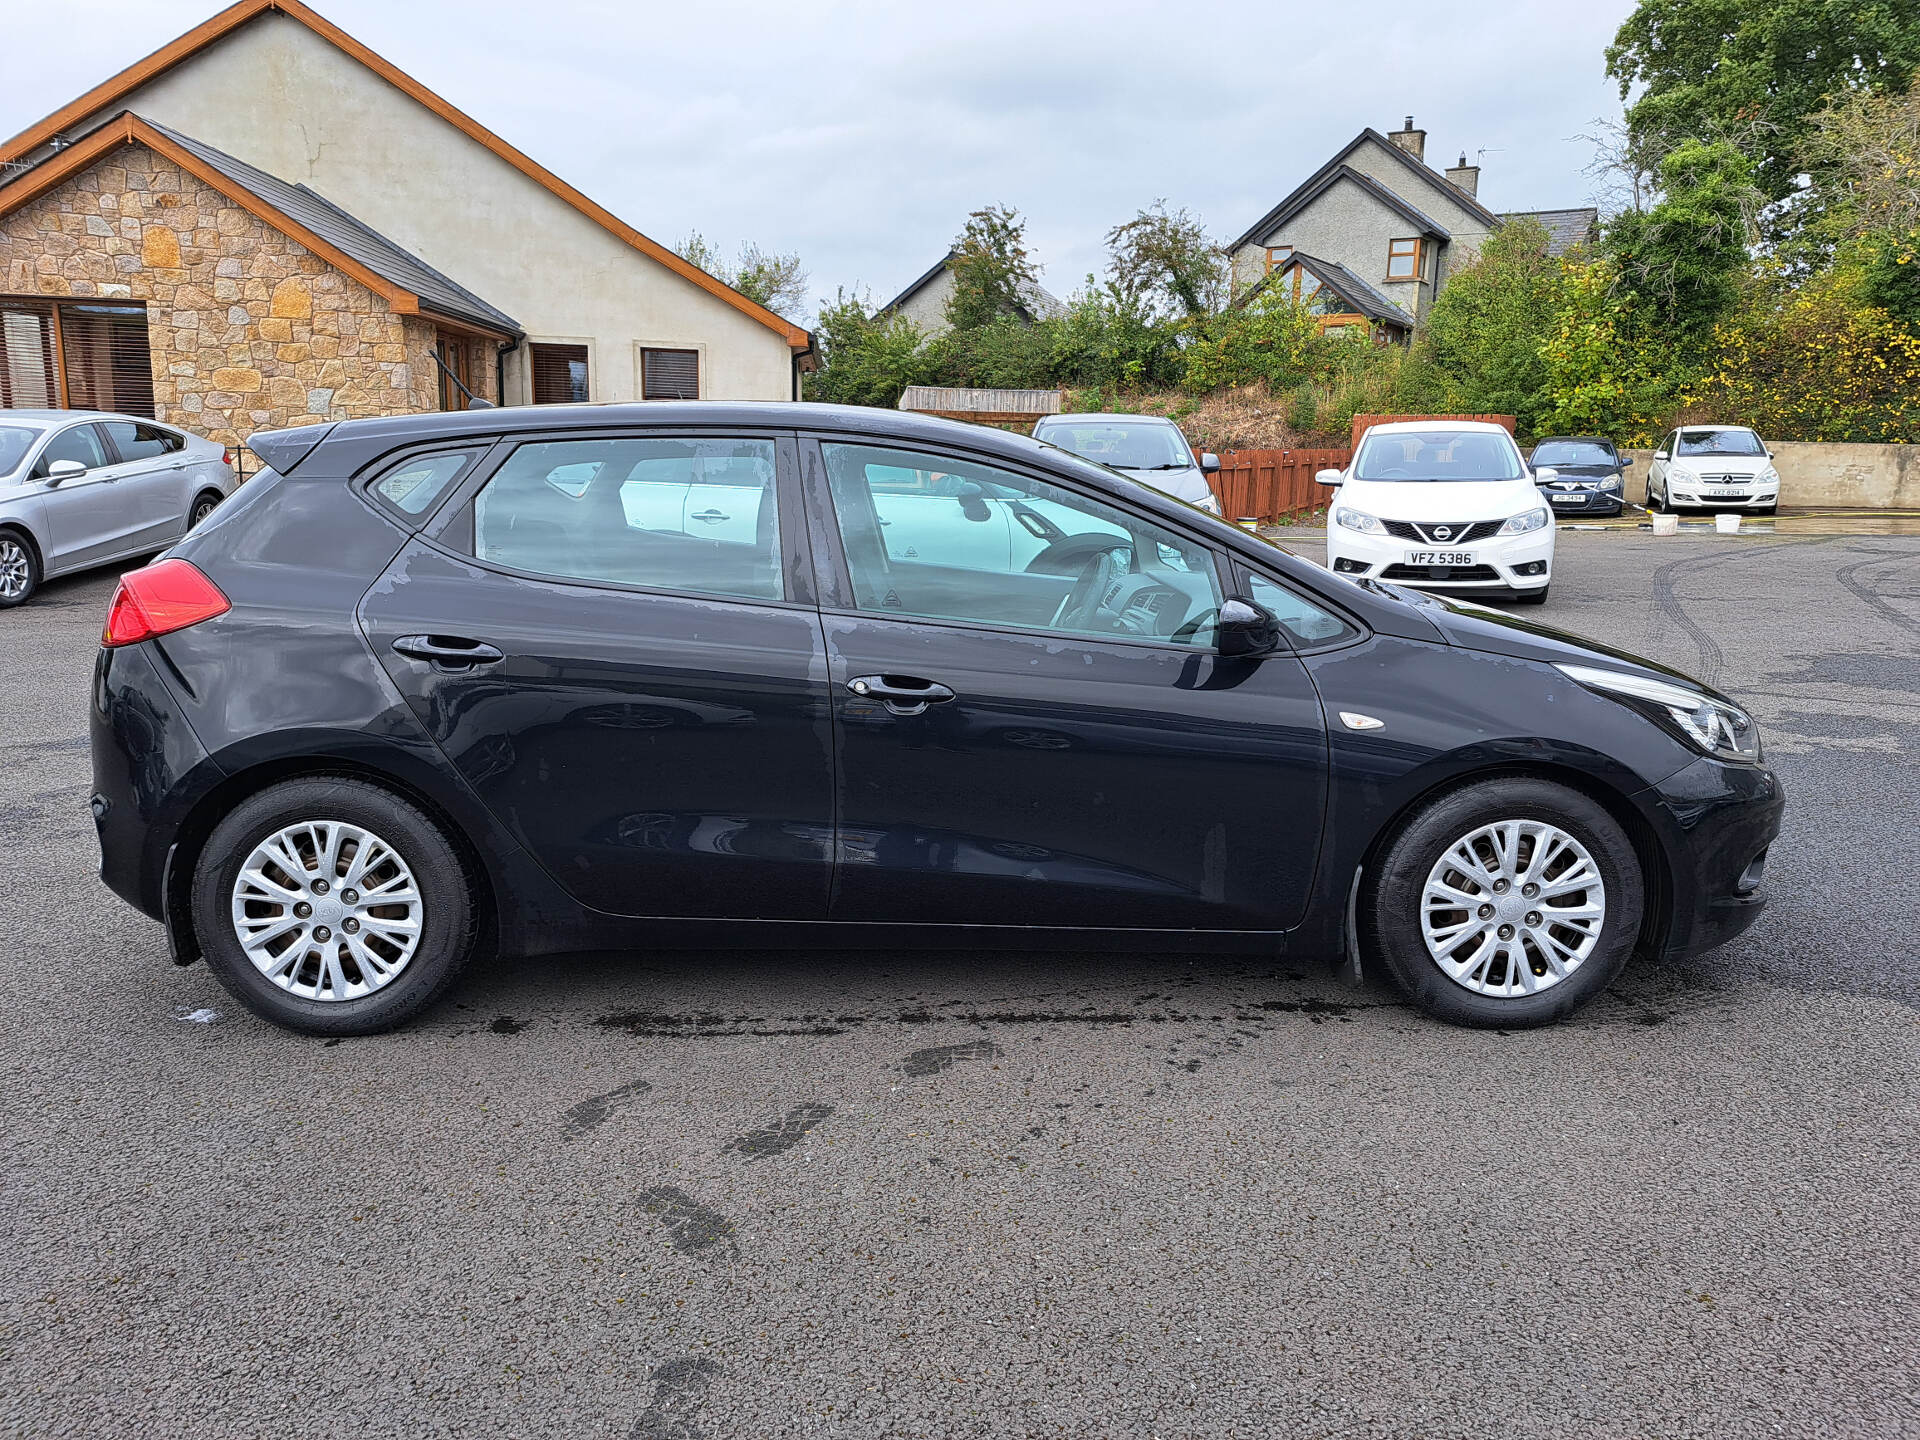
x: 80, y: 488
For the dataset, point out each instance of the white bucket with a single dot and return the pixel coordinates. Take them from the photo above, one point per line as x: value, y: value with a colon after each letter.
x: 1727, y: 524
x: 1666, y: 524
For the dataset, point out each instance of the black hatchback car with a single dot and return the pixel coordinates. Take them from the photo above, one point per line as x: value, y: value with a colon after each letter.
x: 553, y: 679
x: 1589, y: 478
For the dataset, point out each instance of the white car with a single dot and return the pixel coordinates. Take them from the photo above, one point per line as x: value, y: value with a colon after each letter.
x: 1720, y: 467
x: 80, y: 488
x: 1147, y: 448
x: 1441, y: 505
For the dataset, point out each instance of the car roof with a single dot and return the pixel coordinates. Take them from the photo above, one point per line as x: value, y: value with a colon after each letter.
x: 1401, y: 427
x: 56, y: 417
x: 1696, y: 429
x: 1594, y: 439
x: 1104, y: 417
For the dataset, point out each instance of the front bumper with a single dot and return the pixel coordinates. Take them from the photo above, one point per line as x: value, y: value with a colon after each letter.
x: 1717, y: 822
x: 1582, y: 502
x: 1516, y: 563
x: 1758, y: 496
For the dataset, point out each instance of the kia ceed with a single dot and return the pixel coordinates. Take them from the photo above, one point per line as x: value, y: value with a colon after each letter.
x: 552, y: 679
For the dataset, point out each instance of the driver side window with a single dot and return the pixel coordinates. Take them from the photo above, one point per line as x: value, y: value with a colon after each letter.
x: 954, y: 539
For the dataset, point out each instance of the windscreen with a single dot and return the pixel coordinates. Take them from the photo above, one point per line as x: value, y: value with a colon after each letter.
x: 1122, y: 446
x: 1572, y: 452
x: 1720, y: 442
x: 1433, y: 455
x: 15, y: 441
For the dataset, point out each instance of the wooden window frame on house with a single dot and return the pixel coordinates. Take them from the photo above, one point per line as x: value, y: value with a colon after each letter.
x: 1418, y: 254
x: 1284, y: 254
x: 576, y: 349
x: 67, y: 344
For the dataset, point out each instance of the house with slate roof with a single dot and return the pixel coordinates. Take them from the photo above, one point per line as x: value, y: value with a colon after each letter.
x: 924, y: 302
x: 264, y: 223
x: 1369, y: 238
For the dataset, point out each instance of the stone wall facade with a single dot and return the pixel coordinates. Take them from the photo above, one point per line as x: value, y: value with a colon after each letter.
x: 248, y: 329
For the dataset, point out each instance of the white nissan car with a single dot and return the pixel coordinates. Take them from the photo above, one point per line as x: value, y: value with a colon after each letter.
x: 1442, y: 505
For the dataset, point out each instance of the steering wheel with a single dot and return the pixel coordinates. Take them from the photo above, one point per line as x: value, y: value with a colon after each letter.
x: 1082, y: 602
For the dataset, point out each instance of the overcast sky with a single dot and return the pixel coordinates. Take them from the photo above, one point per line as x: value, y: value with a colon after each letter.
x: 860, y: 135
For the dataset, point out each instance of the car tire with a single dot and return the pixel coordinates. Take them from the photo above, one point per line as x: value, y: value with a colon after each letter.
x: 19, y: 569
x: 204, y: 504
x: 1395, y: 919
x: 327, y: 989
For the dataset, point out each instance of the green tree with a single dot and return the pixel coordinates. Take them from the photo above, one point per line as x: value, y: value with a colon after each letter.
x: 1685, y: 257
x: 992, y: 270
x: 1724, y: 69
x: 1482, y: 350
x: 866, y: 359
x: 776, y: 281
x: 1161, y: 263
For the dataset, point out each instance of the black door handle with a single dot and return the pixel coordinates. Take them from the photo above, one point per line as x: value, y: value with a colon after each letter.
x: 902, y: 694
x: 448, y: 652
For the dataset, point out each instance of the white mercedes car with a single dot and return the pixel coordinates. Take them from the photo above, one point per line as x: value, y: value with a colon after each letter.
x: 1721, y: 467
x: 1442, y: 505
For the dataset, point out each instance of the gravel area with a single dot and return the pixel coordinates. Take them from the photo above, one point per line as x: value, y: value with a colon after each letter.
x: 1040, y: 1194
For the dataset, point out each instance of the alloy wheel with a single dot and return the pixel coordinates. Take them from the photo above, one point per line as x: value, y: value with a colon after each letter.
x: 327, y: 911
x: 1513, y: 907
x: 16, y: 568
x: 201, y: 510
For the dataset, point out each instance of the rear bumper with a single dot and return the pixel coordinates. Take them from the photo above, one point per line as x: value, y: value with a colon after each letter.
x: 1718, y: 822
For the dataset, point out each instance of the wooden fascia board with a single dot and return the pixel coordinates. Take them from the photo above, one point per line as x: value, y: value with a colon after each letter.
x: 234, y: 16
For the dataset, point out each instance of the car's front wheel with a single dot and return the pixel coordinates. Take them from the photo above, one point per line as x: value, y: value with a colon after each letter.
x: 1508, y: 902
x: 332, y: 906
x: 19, y: 570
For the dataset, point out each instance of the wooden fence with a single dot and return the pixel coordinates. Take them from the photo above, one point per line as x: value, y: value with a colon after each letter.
x: 1268, y: 485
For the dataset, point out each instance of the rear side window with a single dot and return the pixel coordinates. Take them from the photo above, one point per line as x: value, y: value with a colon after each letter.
x: 670, y: 514
x: 142, y: 442
x: 415, y: 483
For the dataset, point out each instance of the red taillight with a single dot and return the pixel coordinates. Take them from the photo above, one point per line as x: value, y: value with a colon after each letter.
x: 159, y: 600
x: 230, y: 456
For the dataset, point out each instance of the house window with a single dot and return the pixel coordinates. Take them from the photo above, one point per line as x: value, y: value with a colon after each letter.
x: 1403, y: 259
x: 1278, y: 255
x: 456, y: 371
x: 669, y: 374
x: 559, y: 374
x: 60, y: 355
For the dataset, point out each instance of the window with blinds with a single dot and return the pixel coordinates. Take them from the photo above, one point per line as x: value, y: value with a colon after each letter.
x: 75, y: 356
x: 669, y: 374
x: 559, y: 374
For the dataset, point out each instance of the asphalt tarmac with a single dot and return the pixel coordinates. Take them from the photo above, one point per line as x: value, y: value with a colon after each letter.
x: 885, y: 1194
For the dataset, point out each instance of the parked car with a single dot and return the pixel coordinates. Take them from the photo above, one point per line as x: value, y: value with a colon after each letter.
x: 1445, y: 505
x: 1147, y: 448
x: 427, y: 686
x: 79, y: 488
x: 1717, y: 467
x: 1589, y: 474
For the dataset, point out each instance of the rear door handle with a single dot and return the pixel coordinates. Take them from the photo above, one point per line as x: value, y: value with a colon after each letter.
x: 902, y: 694
x: 448, y: 652
x: 712, y: 517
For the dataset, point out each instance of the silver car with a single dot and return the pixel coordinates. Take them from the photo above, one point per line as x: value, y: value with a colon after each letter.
x: 1146, y: 448
x: 80, y: 488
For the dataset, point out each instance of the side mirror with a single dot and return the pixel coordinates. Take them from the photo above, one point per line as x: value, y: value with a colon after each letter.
x: 1545, y: 474
x: 64, y: 470
x: 1246, y: 629
x: 973, y: 503
x: 1209, y: 462
x: 1327, y: 477
x: 1660, y: 455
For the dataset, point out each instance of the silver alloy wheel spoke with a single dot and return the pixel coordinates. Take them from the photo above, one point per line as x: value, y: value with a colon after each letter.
x: 14, y: 569
x: 327, y: 910
x: 1513, y: 908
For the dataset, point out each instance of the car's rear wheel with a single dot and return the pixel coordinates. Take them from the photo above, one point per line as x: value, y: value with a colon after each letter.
x: 333, y: 907
x: 207, y: 502
x: 19, y: 569
x: 1508, y: 902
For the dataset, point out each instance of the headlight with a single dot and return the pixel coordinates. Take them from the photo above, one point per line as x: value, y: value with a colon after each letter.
x: 1531, y: 520
x: 1209, y: 503
x: 1769, y: 476
x: 1612, y: 482
x: 1358, y: 520
x: 1680, y: 473
x: 1714, y: 727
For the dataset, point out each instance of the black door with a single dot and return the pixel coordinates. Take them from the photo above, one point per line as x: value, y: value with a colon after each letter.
x: 1042, y: 732
x: 644, y: 707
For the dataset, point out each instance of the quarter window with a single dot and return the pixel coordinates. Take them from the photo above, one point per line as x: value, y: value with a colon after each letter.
x: 1309, y: 624
x: 955, y: 539
x: 692, y: 514
x: 414, y: 484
